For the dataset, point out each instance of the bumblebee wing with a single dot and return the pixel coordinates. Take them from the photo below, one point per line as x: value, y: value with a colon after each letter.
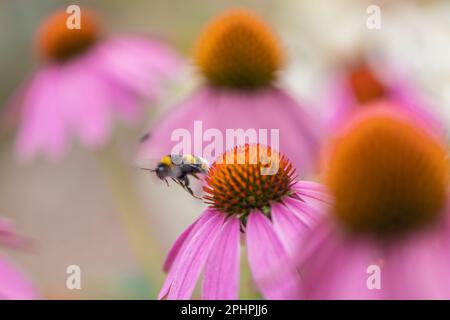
x: 204, y: 164
x: 192, y: 169
x: 188, y: 159
x: 177, y: 159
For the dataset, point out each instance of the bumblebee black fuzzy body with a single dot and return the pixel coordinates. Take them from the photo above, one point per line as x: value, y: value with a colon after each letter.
x: 179, y: 168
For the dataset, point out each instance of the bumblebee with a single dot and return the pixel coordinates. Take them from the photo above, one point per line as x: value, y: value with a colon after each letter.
x: 179, y: 168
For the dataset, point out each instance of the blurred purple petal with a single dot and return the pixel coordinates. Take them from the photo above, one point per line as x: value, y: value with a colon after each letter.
x: 224, y: 109
x: 42, y: 124
x: 181, y: 280
x: 290, y: 229
x: 336, y: 268
x: 13, y: 284
x: 175, y: 249
x: 221, y: 278
x: 137, y: 63
x: 8, y: 236
x: 273, y: 270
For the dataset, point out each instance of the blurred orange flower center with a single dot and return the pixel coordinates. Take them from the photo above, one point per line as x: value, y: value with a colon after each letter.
x: 238, y: 50
x: 246, y: 178
x: 365, y: 84
x: 387, y: 176
x: 58, y: 40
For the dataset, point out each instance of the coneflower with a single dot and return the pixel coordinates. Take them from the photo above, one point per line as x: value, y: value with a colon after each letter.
x: 85, y: 79
x: 251, y: 191
x: 359, y: 85
x: 240, y: 58
x: 389, y: 177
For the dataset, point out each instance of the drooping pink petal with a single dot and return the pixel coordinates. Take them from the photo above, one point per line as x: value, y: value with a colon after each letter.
x: 290, y: 229
x: 409, y: 97
x: 129, y: 107
x: 137, y: 63
x: 313, y: 192
x: 186, y: 268
x: 174, y: 253
x: 337, y: 102
x: 88, y: 105
x: 272, y: 269
x: 336, y: 267
x: 42, y: 126
x: 8, y: 236
x: 221, y: 277
x: 268, y: 110
x: 310, y: 186
x: 340, y: 102
x: 81, y: 96
x: 417, y: 267
x: 13, y: 284
x: 175, y: 249
x: 308, y: 214
x: 160, y: 143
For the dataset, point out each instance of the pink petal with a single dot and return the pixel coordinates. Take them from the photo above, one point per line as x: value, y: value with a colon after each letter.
x: 13, y: 285
x: 290, y: 229
x: 272, y: 269
x: 175, y: 249
x: 8, y: 236
x: 418, y: 266
x: 43, y: 126
x: 182, y: 116
x: 88, y: 103
x: 340, y: 102
x: 335, y: 266
x: 137, y: 63
x: 221, y: 278
x: 309, y: 215
x: 410, y: 99
x: 311, y: 186
x: 313, y: 193
x: 223, y: 109
x: 128, y: 106
x: 181, y: 280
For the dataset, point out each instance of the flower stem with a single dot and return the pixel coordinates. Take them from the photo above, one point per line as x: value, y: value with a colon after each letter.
x: 132, y: 214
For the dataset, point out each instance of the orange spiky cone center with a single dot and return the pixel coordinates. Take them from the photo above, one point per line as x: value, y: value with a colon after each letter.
x: 388, y: 176
x: 247, y: 178
x: 58, y: 40
x: 365, y: 84
x: 238, y: 50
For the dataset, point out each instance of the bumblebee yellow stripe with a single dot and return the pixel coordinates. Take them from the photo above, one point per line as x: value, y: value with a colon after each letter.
x: 166, y: 160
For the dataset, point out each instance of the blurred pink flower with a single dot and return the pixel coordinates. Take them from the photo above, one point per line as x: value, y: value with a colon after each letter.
x: 273, y: 214
x: 357, y: 86
x: 388, y: 234
x: 239, y: 58
x: 13, y: 285
x: 85, y: 82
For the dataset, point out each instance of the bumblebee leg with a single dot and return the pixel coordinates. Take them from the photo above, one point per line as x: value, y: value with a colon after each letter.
x: 167, y: 182
x: 192, y: 192
x: 180, y: 182
x: 185, y: 182
x: 195, y: 176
